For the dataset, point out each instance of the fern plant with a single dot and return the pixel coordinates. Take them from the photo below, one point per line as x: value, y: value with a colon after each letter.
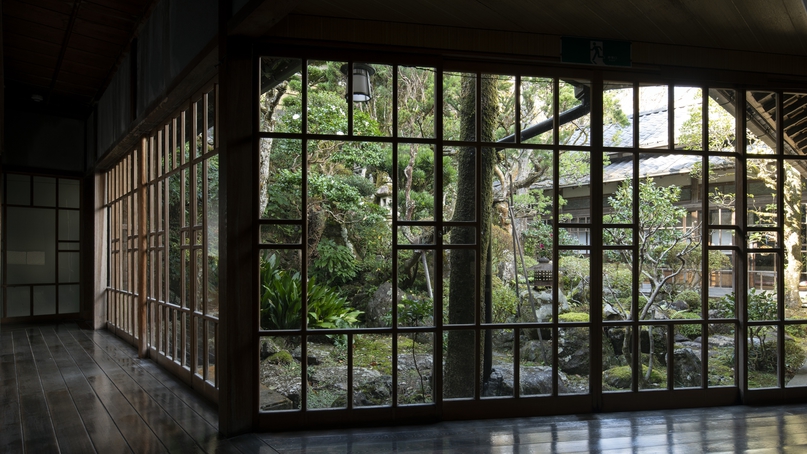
x: 281, y: 301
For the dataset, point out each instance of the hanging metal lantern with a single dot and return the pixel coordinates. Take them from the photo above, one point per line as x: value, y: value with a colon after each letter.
x: 362, y: 91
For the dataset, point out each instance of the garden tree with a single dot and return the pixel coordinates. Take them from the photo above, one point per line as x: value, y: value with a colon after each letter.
x: 663, y: 246
x: 722, y: 137
x: 336, y: 194
x: 464, y: 281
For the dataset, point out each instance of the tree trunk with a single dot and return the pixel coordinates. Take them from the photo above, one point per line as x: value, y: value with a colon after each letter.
x: 792, y: 232
x: 465, y: 287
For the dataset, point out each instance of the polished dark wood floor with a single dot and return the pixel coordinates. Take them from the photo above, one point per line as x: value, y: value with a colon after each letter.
x: 76, y: 391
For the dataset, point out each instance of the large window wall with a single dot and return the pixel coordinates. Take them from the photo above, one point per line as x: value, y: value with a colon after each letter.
x: 172, y: 251
x: 475, y: 241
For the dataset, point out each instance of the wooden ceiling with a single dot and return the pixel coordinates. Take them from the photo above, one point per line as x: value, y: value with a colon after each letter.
x: 776, y: 26
x: 67, y: 50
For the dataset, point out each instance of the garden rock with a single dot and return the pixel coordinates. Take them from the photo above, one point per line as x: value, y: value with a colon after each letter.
x: 316, y: 354
x: 371, y: 387
x: 280, y: 380
x: 380, y: 305
x: 273, y: 400
x: 268, y: 348
x: 573, y: 351
x: 534, y: 380
x: 536, y: 351
x: 687, y: 368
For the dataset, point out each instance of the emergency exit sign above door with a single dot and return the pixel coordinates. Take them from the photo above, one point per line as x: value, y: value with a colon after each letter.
x: 589, y: 51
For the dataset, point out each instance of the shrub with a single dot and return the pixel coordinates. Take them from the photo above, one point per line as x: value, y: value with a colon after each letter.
x: 281, y: 301
x: 335, y: 263
x: 794, y: 357
x: 691, y: 297
x: 690, y: 331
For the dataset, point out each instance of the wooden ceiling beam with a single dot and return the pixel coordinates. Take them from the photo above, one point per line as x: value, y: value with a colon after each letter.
x: 67, y: 33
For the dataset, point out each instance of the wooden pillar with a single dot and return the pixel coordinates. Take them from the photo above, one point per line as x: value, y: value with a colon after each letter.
x: 142, y: 251
x: 100, y: 248
x: 238, y: 344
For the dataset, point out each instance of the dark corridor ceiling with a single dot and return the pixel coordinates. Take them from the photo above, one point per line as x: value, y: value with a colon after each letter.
x: 67, y: 50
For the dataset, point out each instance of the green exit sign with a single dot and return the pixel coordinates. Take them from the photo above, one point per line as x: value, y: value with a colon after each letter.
x: 600, y: 52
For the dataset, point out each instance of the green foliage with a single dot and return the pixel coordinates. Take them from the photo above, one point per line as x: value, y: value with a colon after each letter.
x: 724, y: 306
x: 281, y: 301
x: 281, y: 357
x: 690, y: 331
x: 414, y: 312
x: 798, y: 331
x: 761, y: 305
x: 335, y: 262
x: 505, y: 302
x: 691, y: 297
x: 574, y: 317
x: 794, y: 357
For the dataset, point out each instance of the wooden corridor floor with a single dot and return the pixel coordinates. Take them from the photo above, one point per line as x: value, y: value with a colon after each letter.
x: 76, y: 391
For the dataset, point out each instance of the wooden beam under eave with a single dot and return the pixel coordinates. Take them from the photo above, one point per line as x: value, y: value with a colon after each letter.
x: 258, y: 16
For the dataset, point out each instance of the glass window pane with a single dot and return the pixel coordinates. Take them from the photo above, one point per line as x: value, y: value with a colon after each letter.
x: 761, y: 122
x: 281, y: 373
x: 416, y: 102
x: 416, y: 171
x: 211, y: 120
x: 69, y: 193
x: 374, y: 118
x: 537, y: 110
x: 280, y: 98
x: 763, y: 185
x: 280, y: 290
x: 573, y: 359
x: 763, y: 270
x: 653, y: 116
x: 69, y: 267
x: 688, y: 117
x: 44, y: 191
x: 460, y: 271
x: 18, y: 189
x: 617, y: 112
x: 574, y: 116
x: 504, y: 128
x: 69, y: 299
x: 574, y: 195
x: 499, y: 379
x: 326, y: 378
x: 415, y: 283
x: 459, y: 162
x: 31, y: 246
x: 535, y: 371
x: 280, y: 184
x: 415, y: 360
x: 459, y: 95
x: 69, y: 225
x: 44, y: 299
x: 19, y: 301
x: 327, y: 101
x: 372, y: 370
x: 763, y: 357
x: 722, y: 127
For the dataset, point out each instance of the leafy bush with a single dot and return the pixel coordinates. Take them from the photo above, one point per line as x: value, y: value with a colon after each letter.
x: 690, y: 331
x: 335, y: 263
x: 794, y: 357
x: 281, y: 301
x: 505, y: 302
x: 691, y: 297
